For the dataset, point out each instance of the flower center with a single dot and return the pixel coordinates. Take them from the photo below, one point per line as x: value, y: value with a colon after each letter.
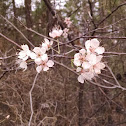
x: 92, y: 50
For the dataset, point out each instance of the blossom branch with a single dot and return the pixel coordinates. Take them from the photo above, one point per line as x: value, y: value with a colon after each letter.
x: 116, y: 53
x: 37, y: 33
x: 103, y: 86
x: 65, y: 67
x: 100, y: 37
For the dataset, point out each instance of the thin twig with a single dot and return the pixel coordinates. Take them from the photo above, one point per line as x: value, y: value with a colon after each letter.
x: 65, y: 67
x: 30, y: 95
x: 18, y: 30
x: 111, y: 13
x: 10, y: 40
x: 103, y: 86
x: 113, y: 75
x: 116, y: 53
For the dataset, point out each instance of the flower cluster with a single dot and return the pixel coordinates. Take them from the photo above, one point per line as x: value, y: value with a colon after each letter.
x: 38, y: 55
x: 88, y: 61
x: 57, y: 32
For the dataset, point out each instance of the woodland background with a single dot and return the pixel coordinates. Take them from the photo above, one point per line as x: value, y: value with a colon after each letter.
x: 58, y: 98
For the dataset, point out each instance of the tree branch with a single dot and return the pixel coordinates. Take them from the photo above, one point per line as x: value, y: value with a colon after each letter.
x: 111, y: 13
x: 30, y: 95
x: 10, y: 40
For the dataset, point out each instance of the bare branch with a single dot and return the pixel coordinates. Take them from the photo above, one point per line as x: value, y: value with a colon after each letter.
x: 111, y: 13
x: 30, y: 95
x: 10, y: 40
x: 18, y: 30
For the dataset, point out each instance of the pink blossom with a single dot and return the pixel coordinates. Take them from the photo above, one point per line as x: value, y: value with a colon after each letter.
x: 22, y: 64
x: 84, y: 75
x: 88, y: 61
x: 88, y: 75
x: 47, y: 44
x: 67, y: 21
x: 79, y: 58
x: 98, y: 67
x: 44, y: 66
x: 56, y: 33
x: 95, y: 63
x: 81, y: 78
x: 40, y: 55
x: 92, y: 46
x: 65, y: 32
x: 86, y: 65
x: 93, y: 59
x: 24, y: 53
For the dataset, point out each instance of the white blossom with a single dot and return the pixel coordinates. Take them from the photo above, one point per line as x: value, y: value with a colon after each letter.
x: 56, y: 33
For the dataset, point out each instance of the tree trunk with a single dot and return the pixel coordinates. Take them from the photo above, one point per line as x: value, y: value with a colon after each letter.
x: 80, y: 104
x: 28, y: 17
x: 15, y: 21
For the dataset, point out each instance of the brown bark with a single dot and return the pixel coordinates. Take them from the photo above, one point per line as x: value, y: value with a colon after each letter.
x: 15, y: 20
x: 80, y: 105
x: 28, y: 17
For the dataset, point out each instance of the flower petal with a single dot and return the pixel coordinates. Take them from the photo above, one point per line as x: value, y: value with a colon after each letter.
x: 77, y: 62
x: 44, y: 57
x: 78, y: 69
x: 38, y: 61
x: 77, y: 56
x: 46, y: 41
x: 43, y: 50
x: 88, y: 75
x: 100, y: 50
x: 23, y: 65
x: 87, y: 44
x: 82, y: 51
x: 99, y: 58
x: 45, y: 68
x: 33, y: 55
x: 45, y: 46
x: 86, y: 65
x: 37, y: 50
x: 39, y: 69
x: 97, y: 70
x: 100, y: 65
x: 80, y: 79
x: 91, y: 58
x: 50, y: 63
x: 94, y: 43
x: 25, y: 47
